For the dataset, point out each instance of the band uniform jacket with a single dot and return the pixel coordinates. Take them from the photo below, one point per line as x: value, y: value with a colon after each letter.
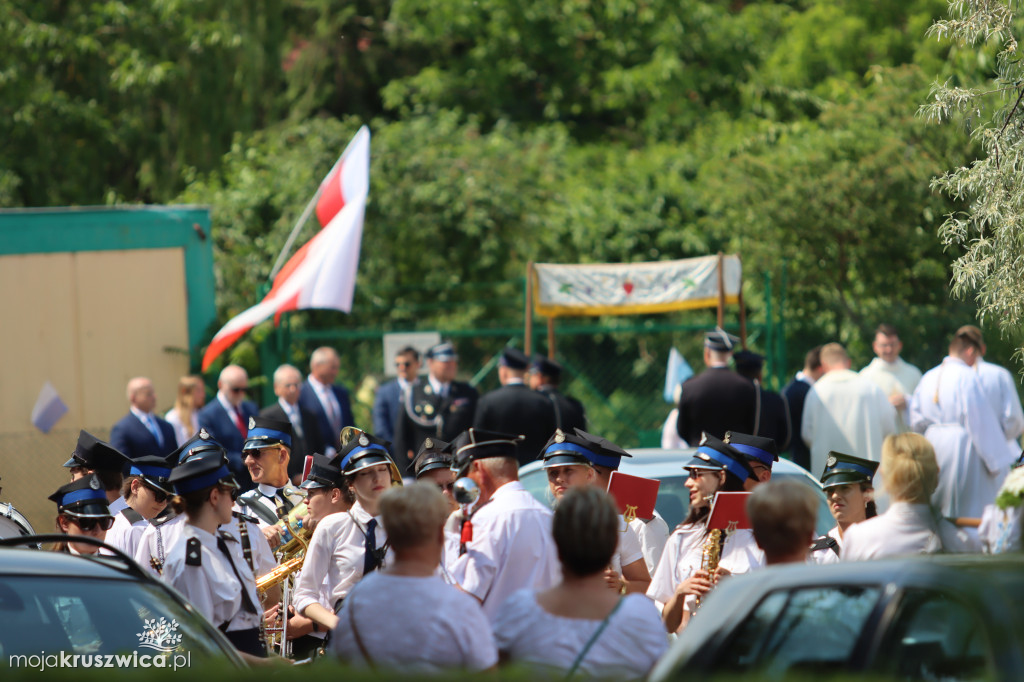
x: 425, y: 413
x: 311, y: 441
x: 309, y: 400
x: 131, y: 437
x: 569, y: 413
x: 716, y: 400
x: 515, y: 409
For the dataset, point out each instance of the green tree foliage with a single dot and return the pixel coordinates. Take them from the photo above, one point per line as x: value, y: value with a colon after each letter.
x: 989, y: 228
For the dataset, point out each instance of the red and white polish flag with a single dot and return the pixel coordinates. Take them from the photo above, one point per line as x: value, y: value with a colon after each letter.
x: 321, y: 274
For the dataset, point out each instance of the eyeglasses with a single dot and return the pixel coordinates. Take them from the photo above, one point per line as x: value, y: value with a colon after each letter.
x: 105, y: 523
x: 158, y: 495
x: 239, y: 389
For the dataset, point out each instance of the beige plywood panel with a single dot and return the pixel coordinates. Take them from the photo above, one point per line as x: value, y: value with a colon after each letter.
x: 37, y: 304
x: 133, y: 322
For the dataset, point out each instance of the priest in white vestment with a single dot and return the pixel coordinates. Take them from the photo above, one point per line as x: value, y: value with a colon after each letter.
x: 896, y: 377
x: 845, y: 412
x: 952, y: 411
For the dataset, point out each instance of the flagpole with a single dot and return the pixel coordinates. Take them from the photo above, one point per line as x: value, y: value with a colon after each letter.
x: 295, y: 232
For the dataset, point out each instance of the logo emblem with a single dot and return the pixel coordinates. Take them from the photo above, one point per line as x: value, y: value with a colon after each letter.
x: 831, y: 462
x: 559, y: 436
x: 427, y: 443
x: 428, y: 409
x: 252, y: 422
x: 427, y: 389
x: 703, y: 439
x: 728, y: 437
x: 204, y: 434
x: 160, y: 635
x: 363, y: 440
x: 94, y: 483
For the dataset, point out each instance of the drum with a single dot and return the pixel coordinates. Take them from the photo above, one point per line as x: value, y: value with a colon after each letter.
x: 13, y: 523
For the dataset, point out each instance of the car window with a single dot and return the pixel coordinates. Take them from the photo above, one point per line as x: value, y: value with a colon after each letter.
x: 59, y: 614
x: 808, y: 629
x: 933, y: 637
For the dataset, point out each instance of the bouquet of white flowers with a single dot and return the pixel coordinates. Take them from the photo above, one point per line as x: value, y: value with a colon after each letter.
x: 1012, y: 492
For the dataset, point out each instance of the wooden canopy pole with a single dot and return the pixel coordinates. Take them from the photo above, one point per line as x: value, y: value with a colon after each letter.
x: 721, y: 290
x: 551, y: 338
x: 528, y: 343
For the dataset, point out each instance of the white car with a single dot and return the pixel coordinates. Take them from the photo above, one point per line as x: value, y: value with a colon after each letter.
x: 673, y: 497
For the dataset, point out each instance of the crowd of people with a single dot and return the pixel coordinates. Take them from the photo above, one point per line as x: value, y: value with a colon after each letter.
x: 423, y: 520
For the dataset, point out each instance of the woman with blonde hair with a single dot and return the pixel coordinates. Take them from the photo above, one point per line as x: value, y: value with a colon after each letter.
x: 184, y: 416
x: 911, y: 525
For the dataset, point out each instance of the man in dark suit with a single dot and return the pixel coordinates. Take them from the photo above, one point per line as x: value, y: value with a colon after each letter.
x: 226, y: 418
x: 439, y: 407
x: 515, y: 409
x: 388, y: 403
x: 718, y: 399
x: 328, y: 401
x: 773, y: 417
x: 795, y: 393
x: 305, y: 435
x: 140, y: 432
x: 545, y: 375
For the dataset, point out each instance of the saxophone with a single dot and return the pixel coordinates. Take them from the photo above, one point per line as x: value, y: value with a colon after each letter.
x: 711, y: 555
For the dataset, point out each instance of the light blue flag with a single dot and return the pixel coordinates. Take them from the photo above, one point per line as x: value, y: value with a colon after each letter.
x: 677, y: 371
x: 49, y: 408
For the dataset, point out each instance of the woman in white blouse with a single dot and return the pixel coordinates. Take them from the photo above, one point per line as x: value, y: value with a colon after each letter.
x: 184, y: 416
x: 580, y: 626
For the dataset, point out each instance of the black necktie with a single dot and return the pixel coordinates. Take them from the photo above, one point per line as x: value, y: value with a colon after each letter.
x: 370, y: 557
x: 246, y: 600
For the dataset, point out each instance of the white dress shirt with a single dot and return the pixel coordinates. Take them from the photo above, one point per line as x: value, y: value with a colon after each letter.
x: 827, y: 555
x: 213, y: 587
x: 337, y: 550
x: 904, y: 529
x: 512, y: 549
x: 124, y: 534
x: 684, y: 554
x: 653, y: 536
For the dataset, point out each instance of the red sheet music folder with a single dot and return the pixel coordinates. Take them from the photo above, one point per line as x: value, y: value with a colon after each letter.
x: 634, y: 495
x: 729, y: 512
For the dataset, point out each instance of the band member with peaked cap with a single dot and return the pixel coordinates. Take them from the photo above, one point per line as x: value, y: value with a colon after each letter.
x: 545, y: 376
x: 163, y: 533
x: 579, y: 625
x: 94, y: 456
x: 82, y: 510
x: 718, y: 399
x: 433, y: 463
x: 438, y: 407
x: 911, y: 524
x: 679, y: 579
x: 570, y: 461
x: 511, y: 547
x: 145, y: 491
x: 761, y: 453
x: 441, y: 627
x: 347, y: 546
x: 514, y: 408
x: 266, y: 454
x: 205, y: 564
x: 848, y: 482
x: 326, y: 494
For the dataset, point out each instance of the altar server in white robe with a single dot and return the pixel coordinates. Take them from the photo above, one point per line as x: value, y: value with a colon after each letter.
x: 895, y: 376
x: 1000, y: 388
x: 952, y: 411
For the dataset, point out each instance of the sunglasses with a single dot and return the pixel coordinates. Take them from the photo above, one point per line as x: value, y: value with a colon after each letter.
x: 446, y: 486
x: 403, y: 364
x: 240, y: 389
x: 87, y: 525
x: 159, y: 495
x: 232, y: 490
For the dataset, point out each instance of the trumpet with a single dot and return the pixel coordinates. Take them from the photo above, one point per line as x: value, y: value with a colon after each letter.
x: 279, y: 574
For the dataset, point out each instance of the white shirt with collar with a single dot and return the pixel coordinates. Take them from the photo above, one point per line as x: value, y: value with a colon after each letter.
x: 827, y: 555
x: 325, y: 395
x: 125, y: 534
x: 512, y: 549
x: 905, y: 529
x: 228, y: 407
x: 337, y: 550
x: 438, y: 387
x: 213, y: 587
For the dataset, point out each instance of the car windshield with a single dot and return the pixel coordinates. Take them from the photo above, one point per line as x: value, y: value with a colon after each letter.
x: 69, y: 615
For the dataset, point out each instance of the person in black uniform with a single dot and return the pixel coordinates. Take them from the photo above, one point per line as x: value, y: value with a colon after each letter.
x: 545, y: 375
x: 716, y: 400
x: 439, y: 407
x: 514, y: 408
x: 773, y: 415
x: 795, y: 392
